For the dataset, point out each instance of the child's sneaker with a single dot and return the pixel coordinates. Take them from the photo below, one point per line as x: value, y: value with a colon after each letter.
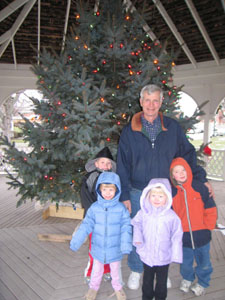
x: 87, y: 279
x: 91, y: 294
x: 120, y: 295
x: 107, y: 277
x: 185, y: 285
x: 169, y: 283
x: 198, y: 290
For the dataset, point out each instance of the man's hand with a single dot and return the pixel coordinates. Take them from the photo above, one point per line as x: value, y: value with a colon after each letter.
x: 210, y: 188
x: 127, y: 204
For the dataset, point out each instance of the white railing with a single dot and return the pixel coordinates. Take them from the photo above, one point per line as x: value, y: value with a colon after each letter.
x: 215, y: 164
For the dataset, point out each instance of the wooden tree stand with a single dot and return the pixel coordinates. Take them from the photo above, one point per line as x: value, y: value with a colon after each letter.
x: 63, y: 212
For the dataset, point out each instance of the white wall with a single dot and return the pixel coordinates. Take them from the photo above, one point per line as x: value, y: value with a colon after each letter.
x: 12, y: 80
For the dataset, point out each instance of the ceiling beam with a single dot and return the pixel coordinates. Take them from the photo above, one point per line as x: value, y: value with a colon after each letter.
x: 147, y: 29
x: 174, y: 30
x: 14, y: 53
x: 204, y: 33
x: 39, y: 32
x: 223, y: 4
x: 66, y: 23
x: 25, y: 11
x: 8, y: 10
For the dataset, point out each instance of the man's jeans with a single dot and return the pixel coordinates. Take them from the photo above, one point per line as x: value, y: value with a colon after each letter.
x: 134, y: 262
x: 202, y: 270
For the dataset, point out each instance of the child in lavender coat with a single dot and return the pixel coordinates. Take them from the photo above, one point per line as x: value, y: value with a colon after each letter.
x: 157, y: 236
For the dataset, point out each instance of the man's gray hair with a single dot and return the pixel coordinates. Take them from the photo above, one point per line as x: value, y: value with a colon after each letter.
x: 151, y: 88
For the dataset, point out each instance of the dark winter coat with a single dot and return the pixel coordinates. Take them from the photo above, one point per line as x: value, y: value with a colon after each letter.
x: 87, y: 193
x: 196, y: 209
x: 109, y: 222
x: 138, y: 160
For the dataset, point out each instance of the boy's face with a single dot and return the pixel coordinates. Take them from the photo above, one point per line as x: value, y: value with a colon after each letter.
x: 108, y: 193
x: 103, y: 164
x: 179, y: 174
x: 157, y: 198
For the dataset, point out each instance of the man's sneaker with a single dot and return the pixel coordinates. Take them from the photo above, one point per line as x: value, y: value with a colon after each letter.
x: 169, y: 283
x: 134, y: 280
x: 107, y: 277
x: 185, y: 285
x: 198, y: 290
x: 91, y: 294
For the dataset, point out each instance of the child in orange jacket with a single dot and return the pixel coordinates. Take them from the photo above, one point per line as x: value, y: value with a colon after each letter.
x: 198, y: 214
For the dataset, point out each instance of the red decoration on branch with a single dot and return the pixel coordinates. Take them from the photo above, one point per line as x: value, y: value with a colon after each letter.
x: 207, y: 151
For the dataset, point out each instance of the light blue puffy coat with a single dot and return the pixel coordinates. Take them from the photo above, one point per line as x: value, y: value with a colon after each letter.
x: 109, y: 222
x: 158, y: 229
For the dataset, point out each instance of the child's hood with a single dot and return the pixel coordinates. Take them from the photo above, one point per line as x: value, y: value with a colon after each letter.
x: 180, y: 161
x: 110, y: 178
x: 164, y: 183
x: 105, y: 152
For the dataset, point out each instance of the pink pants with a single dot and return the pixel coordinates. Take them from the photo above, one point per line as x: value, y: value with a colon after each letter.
x: 97, y: 272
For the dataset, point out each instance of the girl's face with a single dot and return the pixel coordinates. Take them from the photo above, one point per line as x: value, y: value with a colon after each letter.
x: 108, y: 193
x: 179, y: 174
x: 157, y: 198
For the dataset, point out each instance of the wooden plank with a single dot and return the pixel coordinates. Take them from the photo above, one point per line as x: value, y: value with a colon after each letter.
x: 61, y: 238
x: 63, y: 212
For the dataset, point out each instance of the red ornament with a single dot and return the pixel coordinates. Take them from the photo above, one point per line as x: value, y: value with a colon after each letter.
x: 207, y: 151
x: 108, y: 139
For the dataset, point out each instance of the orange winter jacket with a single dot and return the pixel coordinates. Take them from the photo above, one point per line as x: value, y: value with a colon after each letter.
x: 196, y: 209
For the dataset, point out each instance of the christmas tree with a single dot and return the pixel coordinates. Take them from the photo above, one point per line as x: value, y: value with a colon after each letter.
x: 90, y: 91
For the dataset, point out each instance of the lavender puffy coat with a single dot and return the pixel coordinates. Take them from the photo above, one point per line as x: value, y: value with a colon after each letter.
x: 158, y: 229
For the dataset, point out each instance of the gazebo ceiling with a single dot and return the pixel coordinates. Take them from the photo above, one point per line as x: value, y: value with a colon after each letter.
x: 195, y: 26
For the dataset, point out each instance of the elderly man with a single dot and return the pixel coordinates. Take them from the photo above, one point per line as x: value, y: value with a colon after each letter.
x: 147, y: 146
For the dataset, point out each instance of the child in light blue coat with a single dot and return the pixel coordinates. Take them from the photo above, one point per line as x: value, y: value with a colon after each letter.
x: 157, y: 236
x: 109, y: 222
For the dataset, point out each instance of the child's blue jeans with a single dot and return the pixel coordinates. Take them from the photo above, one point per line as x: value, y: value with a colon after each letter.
x: 134, y: 262
x: 203, y: 268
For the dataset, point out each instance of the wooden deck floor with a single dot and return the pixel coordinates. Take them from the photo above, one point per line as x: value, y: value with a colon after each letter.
x: 35, y: 270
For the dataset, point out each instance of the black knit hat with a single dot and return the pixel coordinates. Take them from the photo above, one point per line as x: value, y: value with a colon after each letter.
x: 106, y: 153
